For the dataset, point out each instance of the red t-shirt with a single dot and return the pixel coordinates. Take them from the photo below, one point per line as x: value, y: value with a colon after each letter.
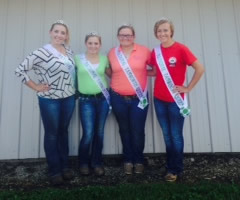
x: 177, y: 57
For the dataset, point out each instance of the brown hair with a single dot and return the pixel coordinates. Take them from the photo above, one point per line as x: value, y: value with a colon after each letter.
x: 60, y: 22
x: 163, y: 21
x: 93, y: 34
x: 126, y: 26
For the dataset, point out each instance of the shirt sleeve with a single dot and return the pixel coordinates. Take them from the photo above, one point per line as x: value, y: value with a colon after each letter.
x: 152, y: 61
x: 76, y: 60
x: 107, y: 62
x: 148, y: 57
x: 25, y: 66
x: 110, y: 56
x: 189, y: 57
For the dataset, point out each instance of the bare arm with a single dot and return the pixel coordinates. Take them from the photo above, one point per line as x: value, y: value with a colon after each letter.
x: 108, y: 71
x: 199, y: 70
x: 151, y: 71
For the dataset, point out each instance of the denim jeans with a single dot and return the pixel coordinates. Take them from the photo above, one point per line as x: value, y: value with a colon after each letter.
x: 93, y: 115
x: 131, y: 120
x: 171, y: 123
x: 56, y: 115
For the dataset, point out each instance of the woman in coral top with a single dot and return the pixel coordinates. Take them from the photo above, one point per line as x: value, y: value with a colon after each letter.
x: 171, y: 59
x: 128, y: 95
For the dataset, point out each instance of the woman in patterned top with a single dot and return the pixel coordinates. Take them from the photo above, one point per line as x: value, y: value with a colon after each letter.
x: 55, y: 70
x: 94, y: 103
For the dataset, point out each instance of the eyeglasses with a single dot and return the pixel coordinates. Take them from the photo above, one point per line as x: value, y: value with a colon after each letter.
x: 121, y: 36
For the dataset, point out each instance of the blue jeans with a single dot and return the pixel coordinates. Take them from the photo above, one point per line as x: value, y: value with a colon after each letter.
x: 131, y: 121
x: 93, y: 115
x: 171, y: 123
x: 56, y: 115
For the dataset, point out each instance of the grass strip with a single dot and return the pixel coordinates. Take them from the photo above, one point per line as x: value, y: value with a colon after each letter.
x: 201, y: 191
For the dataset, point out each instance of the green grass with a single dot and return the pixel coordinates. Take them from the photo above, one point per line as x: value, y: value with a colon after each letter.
x: 202, y: 191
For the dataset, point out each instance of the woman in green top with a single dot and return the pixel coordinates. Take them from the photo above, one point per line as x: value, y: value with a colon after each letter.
x: 93, y: 103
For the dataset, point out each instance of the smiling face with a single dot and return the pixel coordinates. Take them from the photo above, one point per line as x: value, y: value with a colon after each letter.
x: 58, y: 34
x: 93, y: 45
x: 126, y: 37
x: 164, y: 33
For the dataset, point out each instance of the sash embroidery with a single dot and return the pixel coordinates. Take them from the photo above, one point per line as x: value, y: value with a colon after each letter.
x: 94, y: 75
x: 182, y: 104
x: 143, y: 102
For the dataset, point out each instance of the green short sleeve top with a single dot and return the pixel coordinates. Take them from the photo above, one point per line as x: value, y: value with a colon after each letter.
x: 86, y: 85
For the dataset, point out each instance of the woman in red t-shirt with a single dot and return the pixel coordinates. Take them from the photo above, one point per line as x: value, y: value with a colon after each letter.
x: 176, y: 57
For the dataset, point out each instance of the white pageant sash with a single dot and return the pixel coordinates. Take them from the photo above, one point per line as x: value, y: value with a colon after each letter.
x: 94, y: 75
x: 64, y: 59
x: 132, y: 79
x: 182, y: 104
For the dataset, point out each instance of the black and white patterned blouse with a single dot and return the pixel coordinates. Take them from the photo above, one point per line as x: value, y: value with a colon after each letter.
x: 49, y: 70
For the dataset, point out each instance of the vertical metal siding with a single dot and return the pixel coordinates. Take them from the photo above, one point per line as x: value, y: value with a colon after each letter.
x: 216, y: 100
x: 11, y: 89
x: 235, y: 108
x: 211, y: 29
x: 3, y: 16
x: 199, y: 123
x: 231, y: 61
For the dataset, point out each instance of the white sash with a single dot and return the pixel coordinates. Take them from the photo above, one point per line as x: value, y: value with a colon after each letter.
x: 143, y: 102
x: 64, y: 59
x: 182, y: 104
x: 94, y: 75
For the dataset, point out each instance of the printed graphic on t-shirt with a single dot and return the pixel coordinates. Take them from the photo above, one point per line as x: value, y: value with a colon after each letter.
x: 172, y: 61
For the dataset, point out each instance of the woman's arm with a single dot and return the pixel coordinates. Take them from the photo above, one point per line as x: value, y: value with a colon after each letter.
x: 24, y: 67
x: 151, y: 71
x: 108, y: 71
x: 199, y: 70
x: 37, y: 87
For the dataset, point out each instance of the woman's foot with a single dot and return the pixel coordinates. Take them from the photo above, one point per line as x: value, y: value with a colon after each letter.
x: 138, y: 168
x: 84, y: 170
x: 56, y: 180
x: 170, y: 177
x: 67, y: 174
x: 99, y: 171
x: 128, y: 168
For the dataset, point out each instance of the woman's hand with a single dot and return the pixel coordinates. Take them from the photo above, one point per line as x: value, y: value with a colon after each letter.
x: 181, y: 89
x: 38, y: 87
x: 199, y: 70
x: 42, y: 87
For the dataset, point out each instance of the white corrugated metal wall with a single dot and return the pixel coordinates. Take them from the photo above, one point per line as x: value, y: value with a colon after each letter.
x: 211, y: 28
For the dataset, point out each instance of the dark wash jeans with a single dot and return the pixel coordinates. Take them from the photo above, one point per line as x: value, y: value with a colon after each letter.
x: 56, y: 115
x: 131, y: 121
x: 93, y: 114
x: 171, y: 123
